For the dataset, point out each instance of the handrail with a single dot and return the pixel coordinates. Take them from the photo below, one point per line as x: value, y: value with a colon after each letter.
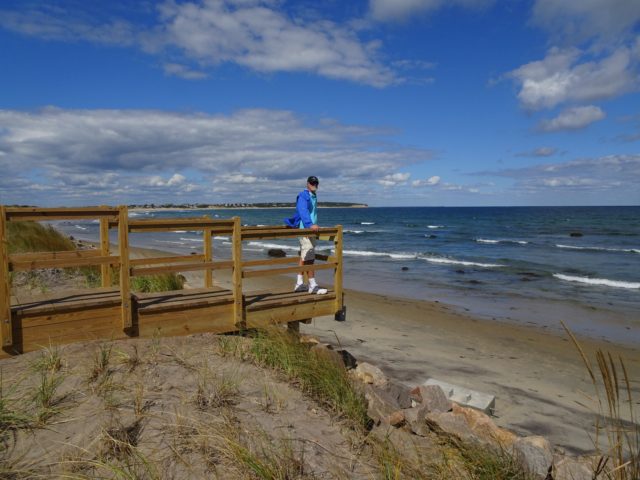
x: 20, y: 214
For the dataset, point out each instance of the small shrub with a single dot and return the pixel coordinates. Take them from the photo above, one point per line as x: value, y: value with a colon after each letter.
x: 157, y: 283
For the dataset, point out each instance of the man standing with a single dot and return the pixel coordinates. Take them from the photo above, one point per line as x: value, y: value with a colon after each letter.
x: 307, y: 217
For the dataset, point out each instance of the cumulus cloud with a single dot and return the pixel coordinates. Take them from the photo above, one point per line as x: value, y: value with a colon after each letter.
x: 575, y: 118
x: 393, y: 10
x: 427, y: 182
x: 561, y: 77
x: 619, y: 173
x: 579, y: 20
x: 143, y: 154
x: 394, y: 179
x: 256, y: 34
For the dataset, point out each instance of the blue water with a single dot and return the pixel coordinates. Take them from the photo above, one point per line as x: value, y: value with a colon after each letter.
x: 458, y: 254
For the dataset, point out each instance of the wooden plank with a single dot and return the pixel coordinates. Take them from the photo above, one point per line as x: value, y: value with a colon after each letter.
x: 323, y: 233
x: 43, y: 256
x: 63, y: 263
x: 105, y: 270
x: 45, y: 319
x: 188, y: 267
x: 289, y: 313
x: 271, y: 261
x: 279, y: 271
x: 182, y: 300
x: 268, y: 302
x: 6, y: 330
x: 337, y: 277
x: 237, y: 274
x: 216, y: 319
x: 19, y: 214
x: 134, y: 262
x: 207, y: 240
x: 123, y: 245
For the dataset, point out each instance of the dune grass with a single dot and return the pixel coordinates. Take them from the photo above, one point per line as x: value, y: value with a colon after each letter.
x: 25, y: 237
x: 157, y: 283
x: 617, y: 431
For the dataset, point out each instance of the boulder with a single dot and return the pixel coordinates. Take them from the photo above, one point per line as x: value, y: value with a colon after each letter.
x: 380, y: 403
x: 370, y: 374
x: 276, y: 252
x: 416, y: 419
x: 451, y: 423
x: 576, y: 234
x: 349, y: 360
x: 396, y: 419
x: 404, y: 269
x: 484, y: 428
x: 571, y: 468
x: 431, y: 397
x: 535, y: 454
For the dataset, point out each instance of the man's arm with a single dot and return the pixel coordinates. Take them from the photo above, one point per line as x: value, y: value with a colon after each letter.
x: 303, y: 210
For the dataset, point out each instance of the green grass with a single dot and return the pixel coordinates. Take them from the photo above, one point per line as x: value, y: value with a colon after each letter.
x: 157, y: 283
x: 33, y: 237
x: 318, y: 376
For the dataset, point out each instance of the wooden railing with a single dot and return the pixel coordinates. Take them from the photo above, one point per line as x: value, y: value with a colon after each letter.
x: 117, y: 218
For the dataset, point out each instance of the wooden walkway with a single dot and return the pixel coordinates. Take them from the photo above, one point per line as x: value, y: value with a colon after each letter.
x: 115, y: 312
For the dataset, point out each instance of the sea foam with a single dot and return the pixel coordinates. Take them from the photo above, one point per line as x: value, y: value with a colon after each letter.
x: 486, y: 240
x: 599, y: 249
x: 598, y: 281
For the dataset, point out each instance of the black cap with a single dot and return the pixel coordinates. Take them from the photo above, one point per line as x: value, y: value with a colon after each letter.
x: 313, y: 180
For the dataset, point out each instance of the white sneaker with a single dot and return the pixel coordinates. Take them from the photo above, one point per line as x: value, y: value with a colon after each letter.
x: 317, y: 290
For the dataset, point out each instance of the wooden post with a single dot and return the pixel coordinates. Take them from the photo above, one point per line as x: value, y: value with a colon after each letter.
x: 105, y: 270
x: 337, y: 280
x: 6, y: 332
x: 208, y: 257
x: 123, y: 245
x: 238, y: 315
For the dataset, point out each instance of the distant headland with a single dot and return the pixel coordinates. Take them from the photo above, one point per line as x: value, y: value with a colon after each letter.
x: 205, y: 206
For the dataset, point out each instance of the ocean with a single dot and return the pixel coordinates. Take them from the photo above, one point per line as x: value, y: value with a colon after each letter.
x: 530, y: 265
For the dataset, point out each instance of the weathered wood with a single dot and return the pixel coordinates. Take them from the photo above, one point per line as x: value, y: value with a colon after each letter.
x: 207, y: 238
x: 134, y: 262
x: 271, y: 261
x: 123, y: 245
x: 182, y: 300
x: 62, y: 263
x: 215, y: 319
x: 21, y: 214
x: 279, y: 271
x: 268, y: 233
x: 68, y: 302
x: 105, y: 270
x: 288, y: 313
x: 238, y: 309
x: 337, y: 278
x: 188, y: 267
x: 272, y: 300
x: 5, y: 296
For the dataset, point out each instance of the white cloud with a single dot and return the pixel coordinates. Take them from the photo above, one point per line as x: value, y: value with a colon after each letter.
x: 146, y: 155
x: 619, y: 174
x: 575, y: 118
x: 394, y: 179
x: 393, y: 10
x: 560, y: 78
x: 182, y: 71
x: 256, y: 34
x: 579, y: 20
x: 427, y: 182
x: 539, y: 152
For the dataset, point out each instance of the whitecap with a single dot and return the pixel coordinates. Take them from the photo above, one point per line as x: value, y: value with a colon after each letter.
x: 199, y: 240
x: 451, y: 261
x: 221, y: 238
x: 598, y: 281
x: 354, y: 231
x: 435, y: 226
x: 367, y: 253
x: 367, y: 223
x: 81, y: 228
x: 599, y: 249
x: 486, y: 240
x: 273, y: 245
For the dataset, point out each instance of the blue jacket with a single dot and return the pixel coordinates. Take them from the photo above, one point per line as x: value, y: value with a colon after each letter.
x: 303, y: 211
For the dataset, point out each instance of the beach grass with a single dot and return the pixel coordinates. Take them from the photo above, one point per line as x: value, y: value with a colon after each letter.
x: 157, y: 283
x: 617, y: 432
x: 25, y: 237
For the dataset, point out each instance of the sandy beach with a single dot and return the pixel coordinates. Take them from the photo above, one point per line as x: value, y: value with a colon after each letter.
x: 537, y: 376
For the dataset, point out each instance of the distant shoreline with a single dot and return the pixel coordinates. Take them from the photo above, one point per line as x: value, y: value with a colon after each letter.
x: 173, y: 209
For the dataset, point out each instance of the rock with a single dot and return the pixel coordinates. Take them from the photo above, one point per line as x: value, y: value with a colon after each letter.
x: 405, y: 269
x: 431, y: 397
x: 370, y: 374
x: 276, y: 252
x: 348, y: 359
x: 451, y: 423
x: 535, y: 453
x: 416, y: 419
x: 432, y: 236
x: 324, y: 351
x: 570, y: 468
x: 380, y: 404
x: 396, y: 419
x: 460, y: 271
x: 308, y: 339
x: 483, y: 427
x: 399, y: 393
x: 576, y: 234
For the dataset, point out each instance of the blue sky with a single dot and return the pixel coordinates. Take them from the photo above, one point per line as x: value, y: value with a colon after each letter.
x: 388, y: 102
